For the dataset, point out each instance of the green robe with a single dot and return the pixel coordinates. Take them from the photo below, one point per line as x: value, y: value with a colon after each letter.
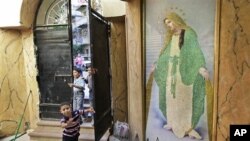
x: 191, y: 60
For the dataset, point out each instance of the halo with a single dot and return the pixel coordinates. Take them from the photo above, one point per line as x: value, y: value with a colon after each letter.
x: 176, y: 10
x: 163, y: 13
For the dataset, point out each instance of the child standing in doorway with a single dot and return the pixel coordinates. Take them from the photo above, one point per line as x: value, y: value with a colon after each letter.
x: 89, y: 81
x: 71, y: 121
x: 78, y: 89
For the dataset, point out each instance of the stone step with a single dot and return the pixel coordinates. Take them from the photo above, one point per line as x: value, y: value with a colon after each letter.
x: 43, y: 125
x: 38, y: 135
x: 51, y: 131
x: 57, y: 136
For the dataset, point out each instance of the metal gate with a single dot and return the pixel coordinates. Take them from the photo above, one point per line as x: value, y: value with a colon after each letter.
x: 100, y: 52
x: 54, y: 68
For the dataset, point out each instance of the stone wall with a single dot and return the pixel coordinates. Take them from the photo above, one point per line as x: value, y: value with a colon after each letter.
x: 134, y: 51
x: 17, y: 81
x: 28, y: 12
x: 234, y: 66
x: 31, y: 74
x: 119, y: 68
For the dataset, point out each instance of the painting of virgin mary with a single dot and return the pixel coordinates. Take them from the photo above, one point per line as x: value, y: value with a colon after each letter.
x: 177, y: 79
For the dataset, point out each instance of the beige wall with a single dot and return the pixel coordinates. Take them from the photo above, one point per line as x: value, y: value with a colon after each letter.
x: 113, y: 8
x: 119, y: 68
x: 30, y: 75
x: 12, y: 80
x: 234, y: 69
x: 28, y: 12
x: 135, y: 75
x: 17, y: 80
x: 18, y: 73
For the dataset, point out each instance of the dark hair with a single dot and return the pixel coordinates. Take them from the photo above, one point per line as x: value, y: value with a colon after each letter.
x: 77, y: 69
x: 181, y: 41
x: 64, y: 103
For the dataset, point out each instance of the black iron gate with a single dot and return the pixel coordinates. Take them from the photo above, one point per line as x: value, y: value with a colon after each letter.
x: 100, y: 56
x: 54, y: 68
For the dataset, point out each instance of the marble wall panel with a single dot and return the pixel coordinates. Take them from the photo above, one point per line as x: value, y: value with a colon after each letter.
x: 17, y: 80
x: 12, y: 81
x: 234, y: 67
x: 119, y: 68
x: 31, y: 73
x: 134, y: 51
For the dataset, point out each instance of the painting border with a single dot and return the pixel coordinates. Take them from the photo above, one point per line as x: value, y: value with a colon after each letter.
x: 213, y: 132
x: 216, y: 68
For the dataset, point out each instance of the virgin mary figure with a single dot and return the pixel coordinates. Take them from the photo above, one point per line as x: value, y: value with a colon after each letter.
x: 180, y: 73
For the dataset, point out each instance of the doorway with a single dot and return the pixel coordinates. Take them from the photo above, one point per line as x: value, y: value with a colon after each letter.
x: 65, y: 30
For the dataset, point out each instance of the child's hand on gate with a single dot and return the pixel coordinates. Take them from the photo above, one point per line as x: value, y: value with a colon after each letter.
x: 91, y: 109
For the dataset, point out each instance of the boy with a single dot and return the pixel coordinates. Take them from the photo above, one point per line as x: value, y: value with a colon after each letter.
x: 78, y: 89
x: 91, y: 71
x: 89, y: 81
x: 71, y: 121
